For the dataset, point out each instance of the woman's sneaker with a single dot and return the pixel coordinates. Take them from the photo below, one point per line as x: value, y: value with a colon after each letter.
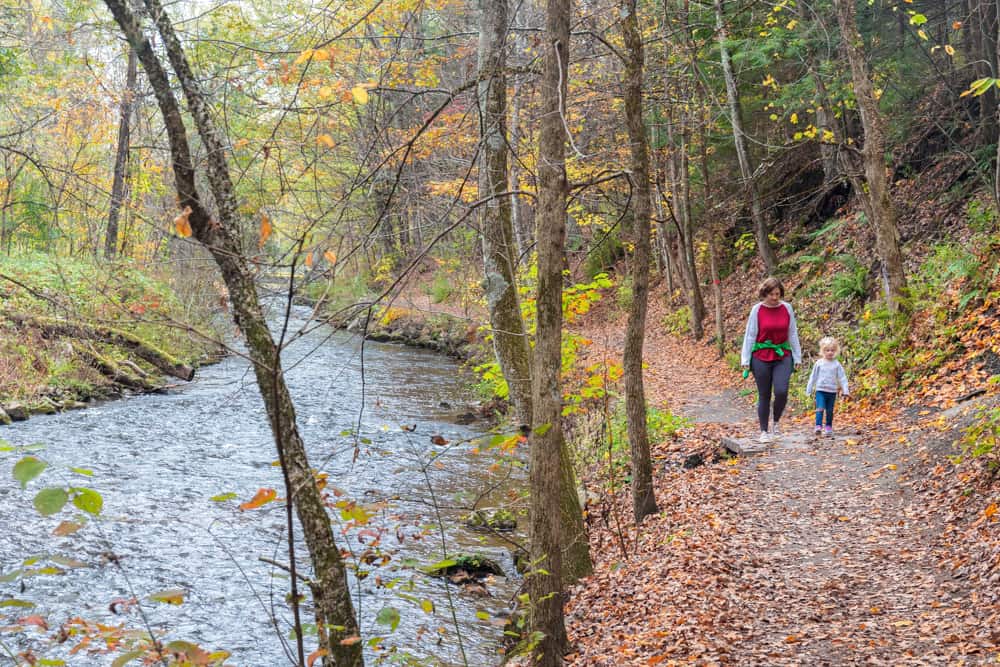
x: 818, y: 430
x: 764, y: 437
x: 775, y: 431
x: 828, y: 431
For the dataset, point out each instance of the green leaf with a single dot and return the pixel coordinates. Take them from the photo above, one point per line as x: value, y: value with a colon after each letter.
x: 169, y: 596
x: 918, y: 19
x: 51, y: 500
x: 482, y: 615
x: 88, y: 500
x: 223, y: 497
x: 48, y: 662
x: 16, y: 603
x: 126, y: 658
x: 427, y: 606
x: 388, y: 616
x: 542, y: 429
x: 442, y: 564
x: 65, y: 561
x: 28, y: 469
x: 83, y: 471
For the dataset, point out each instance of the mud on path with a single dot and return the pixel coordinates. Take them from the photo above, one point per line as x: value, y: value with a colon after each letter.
x: 814, y: 552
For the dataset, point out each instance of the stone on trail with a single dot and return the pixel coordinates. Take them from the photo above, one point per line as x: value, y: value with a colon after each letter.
x: 741, y: 446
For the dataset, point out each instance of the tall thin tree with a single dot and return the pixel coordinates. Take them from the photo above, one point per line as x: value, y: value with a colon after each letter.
x: 510, y: 340
x: 547, y: 440
x: 761, y: 232
x: 121, y: 153
x: 219, y: 234
x: 880, y: 206
x: 643, y: 499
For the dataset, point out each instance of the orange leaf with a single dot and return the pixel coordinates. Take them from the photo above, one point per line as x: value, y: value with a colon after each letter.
x: 353, y: 639
x: 990, y: 511
x: 438, y: 440
x: 261, y: 498
x: 330, y: 256
x: 66, y: 528
x: 326, y: 140
x: 309, y: 260
x: 265, y: 230
x: 182, y: 224
x: 34, y: 620
x: 318, y: 653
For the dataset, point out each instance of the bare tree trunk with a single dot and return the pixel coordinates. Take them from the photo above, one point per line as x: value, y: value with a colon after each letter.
x: 219, y: 234
x: 742, y: 154
x: 882, y: 209
x: 680, y: 185
x: 825, y: 124
x: 643, y: 499
x: 121, y: 155
x: 713, y: 249
x: 547, y: 441
x: 510, y: 340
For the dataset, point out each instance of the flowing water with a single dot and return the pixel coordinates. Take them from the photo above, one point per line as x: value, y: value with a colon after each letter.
x: 158, y: 460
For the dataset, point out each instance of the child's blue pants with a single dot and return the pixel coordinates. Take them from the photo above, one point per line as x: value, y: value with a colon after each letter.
x: 824, y: 403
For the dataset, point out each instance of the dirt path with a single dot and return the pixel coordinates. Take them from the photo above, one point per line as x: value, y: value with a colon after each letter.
x: 814, y: 552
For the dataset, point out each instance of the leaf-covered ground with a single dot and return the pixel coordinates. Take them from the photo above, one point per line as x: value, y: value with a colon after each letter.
x: 868, y: 548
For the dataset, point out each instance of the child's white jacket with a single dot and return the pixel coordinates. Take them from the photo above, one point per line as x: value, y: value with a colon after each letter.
x: 827, y: 376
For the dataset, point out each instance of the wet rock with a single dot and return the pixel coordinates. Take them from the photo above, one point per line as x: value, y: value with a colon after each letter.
x: 466, y: 418
x: 466, y: 567
x: 17, y: 411
x: 45, y: 406
x: 4, y: 418
x: 499, y: 519
x: 522, y: 560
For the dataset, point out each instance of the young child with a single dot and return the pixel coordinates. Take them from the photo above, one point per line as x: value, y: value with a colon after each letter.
x: 826, y: 378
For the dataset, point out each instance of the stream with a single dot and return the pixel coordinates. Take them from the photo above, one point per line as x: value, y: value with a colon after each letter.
x: 159, y: 460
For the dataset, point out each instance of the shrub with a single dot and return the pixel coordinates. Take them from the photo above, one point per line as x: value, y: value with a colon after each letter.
x: 679, y: 321
x: 851, y: 283
x: 981, y: 440
x: 624, y: 294
x: 441, y: 288
x: 603, y: 254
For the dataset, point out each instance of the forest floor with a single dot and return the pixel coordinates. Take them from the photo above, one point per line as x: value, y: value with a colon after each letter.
x: 865, y: 548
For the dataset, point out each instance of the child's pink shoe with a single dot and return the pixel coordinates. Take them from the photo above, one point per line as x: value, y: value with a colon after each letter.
x: 828, y: 431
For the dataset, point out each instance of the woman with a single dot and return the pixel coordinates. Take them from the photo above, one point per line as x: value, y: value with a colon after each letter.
x: 771, y: 351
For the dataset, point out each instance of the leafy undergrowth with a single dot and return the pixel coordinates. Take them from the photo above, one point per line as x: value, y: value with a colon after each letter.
x: 121, y: 296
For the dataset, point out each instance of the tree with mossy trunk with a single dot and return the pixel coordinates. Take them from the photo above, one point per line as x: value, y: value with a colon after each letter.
x: 510, y: 338
x: 877, y: 200
x: 219, y: 234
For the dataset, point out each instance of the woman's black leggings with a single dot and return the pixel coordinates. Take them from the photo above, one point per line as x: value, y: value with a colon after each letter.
x: 771, y: 375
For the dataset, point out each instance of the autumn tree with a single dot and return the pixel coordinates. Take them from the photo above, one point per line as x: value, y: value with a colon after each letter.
x: 735, y: 113
x: 877, y: 199
x: 510, y: 340
x: 216, y: 229
x: 121, y: 154
x: 643, y: 500
x: 547, y: 440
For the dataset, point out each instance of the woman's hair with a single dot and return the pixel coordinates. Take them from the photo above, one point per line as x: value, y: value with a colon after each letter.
x: 770, y: 285
x: 828, y: 341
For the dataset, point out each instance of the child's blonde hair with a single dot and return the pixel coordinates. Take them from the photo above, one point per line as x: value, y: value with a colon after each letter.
x: 828, y: 341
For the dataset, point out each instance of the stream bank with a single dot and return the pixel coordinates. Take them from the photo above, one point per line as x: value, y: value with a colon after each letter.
x: 74, y: 331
